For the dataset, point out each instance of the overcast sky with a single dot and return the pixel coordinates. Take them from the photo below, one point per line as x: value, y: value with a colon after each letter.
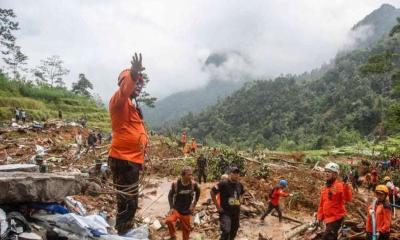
x: 98, y: 37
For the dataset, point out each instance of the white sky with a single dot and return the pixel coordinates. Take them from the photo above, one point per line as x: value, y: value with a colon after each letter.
x: 98, y: 37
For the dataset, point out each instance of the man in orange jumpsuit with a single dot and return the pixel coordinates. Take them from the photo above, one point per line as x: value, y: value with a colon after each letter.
x: 382, y: 213
x: 332, y: 203
x: 129, y: 140
x: 193, y: 146
x: 182, y: 198
x: 183, y: 139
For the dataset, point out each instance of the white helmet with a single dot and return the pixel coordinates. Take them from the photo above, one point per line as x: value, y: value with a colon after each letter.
x: 389, y: 185
x: 334, y: 167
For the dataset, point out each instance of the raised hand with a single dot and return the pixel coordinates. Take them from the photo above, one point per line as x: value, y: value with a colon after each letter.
x: 136, y: 65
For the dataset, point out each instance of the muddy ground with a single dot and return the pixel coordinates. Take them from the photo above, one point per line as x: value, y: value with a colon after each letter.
x: 163, y: 163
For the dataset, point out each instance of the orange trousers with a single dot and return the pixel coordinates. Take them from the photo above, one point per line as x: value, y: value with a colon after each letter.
x: 185, y: 222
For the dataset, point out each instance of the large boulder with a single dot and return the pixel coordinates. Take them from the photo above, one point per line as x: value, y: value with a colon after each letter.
x: 22, y: 187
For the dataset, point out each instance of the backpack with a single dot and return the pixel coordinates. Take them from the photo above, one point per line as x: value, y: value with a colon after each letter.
x: 271, y: 192
x: 175, y: 186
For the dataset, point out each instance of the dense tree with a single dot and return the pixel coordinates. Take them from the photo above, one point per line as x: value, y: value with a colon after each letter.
x: 82, y: 86
x: 395, y: 29
x: 357, y: 97
x: 7, y: 26
x: 51, y: 71
x: 15, y: 61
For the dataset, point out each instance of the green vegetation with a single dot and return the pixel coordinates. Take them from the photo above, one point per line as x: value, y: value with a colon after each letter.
x: 354, y: 102
x: 177, y: 105
x: 42, y: 102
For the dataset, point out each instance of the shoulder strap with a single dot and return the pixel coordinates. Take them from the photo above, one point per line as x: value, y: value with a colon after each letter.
x: 175, y: 186
x: 271, y: 193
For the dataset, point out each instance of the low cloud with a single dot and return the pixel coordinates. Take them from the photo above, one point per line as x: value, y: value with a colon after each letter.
x: 98, y: 37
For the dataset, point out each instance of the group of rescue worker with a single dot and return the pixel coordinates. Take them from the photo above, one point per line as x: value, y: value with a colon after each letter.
x: 94, y: 138
x: 187, y: 147
x: 127, y: 155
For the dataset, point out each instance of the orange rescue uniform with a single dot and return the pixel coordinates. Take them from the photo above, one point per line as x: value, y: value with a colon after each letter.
x: 276, y: 195
x: 332, y: 203
x: 129, y: 137
x: 383, y: 216
x: 194, y: 145
x: 183, y: 138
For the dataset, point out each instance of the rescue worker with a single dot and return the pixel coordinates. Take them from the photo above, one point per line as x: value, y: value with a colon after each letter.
x: 331, y: 208
x: 91, y: 141
x: 224, y: 177
x: 392, y: 195
x: 17, y: 114
x: 97, y: 171
x: 201, y: 168
x: 230, y: 192
x: 193, y: 146
x: 79, y: 141
x: 183, y: 139
x: 22, y: 115
x: 374, y: 179
x: 182, y: 198
x: 386, y: 179
x: 99, y: 136
x: 129, y: 141
x: 368, y: 181
x: 380, y: 214
x: 355, y: 178
x: 274, y: 196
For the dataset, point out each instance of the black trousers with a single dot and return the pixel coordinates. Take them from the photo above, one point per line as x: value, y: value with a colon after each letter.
x: 229, y: 224
x: 332, y: 229
x: 269, y: 210
x: 385, y: 236
x: 125, y: 174
x: 202, y: 175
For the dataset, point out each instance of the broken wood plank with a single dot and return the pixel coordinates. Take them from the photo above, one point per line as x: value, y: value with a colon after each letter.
x: 288, y: 218
x: 297, y: 231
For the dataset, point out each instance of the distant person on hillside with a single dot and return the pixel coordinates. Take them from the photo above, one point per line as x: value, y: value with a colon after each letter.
x: 22, y: 115
x: 193, y: 146
x: 91, y: 141
x: 83, y: 121
x: 355, y: 178
x: 183, y: 139
x: 129, y: 142
x: 201, y: 168
x: 16, y: 114
x: 60, y: 115
x: 368, y: 181
x: 99, y: 136
x: 374, y: 179
x: 79, y: 141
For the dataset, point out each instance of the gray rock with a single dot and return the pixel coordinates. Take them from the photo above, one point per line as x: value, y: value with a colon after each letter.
x: 20, y: 187
x: 19, y: 168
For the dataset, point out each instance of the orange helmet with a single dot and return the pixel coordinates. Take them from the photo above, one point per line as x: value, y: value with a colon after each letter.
x: 382, y: 189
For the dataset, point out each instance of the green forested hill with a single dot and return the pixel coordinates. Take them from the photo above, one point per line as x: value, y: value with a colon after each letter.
x: 42, y: 102
x: 358, y: 97
x: 375, y: 25
x: 177, y: 105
